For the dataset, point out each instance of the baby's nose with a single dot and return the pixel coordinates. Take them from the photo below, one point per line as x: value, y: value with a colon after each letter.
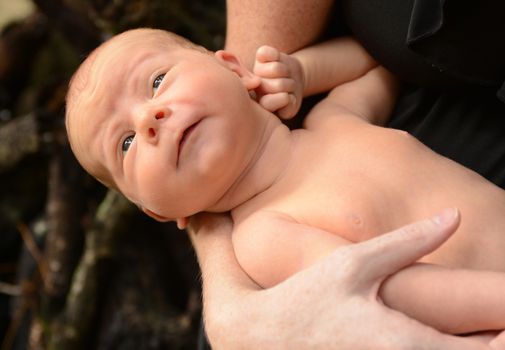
x: 150, y: 121
x: 152, y: 130
x: 159, y: 115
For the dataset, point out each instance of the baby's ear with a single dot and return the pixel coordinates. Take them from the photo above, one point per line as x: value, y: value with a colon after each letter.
x: 250, y: 80
x: 182, y: 223
x: 154, y: 215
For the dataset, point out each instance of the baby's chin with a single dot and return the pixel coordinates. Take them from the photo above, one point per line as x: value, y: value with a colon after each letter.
x: 155, y: 215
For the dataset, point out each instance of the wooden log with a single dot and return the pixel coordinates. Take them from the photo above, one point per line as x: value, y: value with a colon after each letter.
x: 18, y: 138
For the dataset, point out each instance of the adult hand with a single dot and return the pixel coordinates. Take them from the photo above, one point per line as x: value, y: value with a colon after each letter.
x: 331, y: 305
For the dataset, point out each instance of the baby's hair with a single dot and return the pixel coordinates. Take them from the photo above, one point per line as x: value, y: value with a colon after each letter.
x: 82, y: 85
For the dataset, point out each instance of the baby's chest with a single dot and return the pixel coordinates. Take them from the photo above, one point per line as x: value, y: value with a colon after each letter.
x: 356, y: 214
x: 357, y: 185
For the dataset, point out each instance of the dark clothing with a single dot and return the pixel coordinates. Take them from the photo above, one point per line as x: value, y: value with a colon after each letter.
x: 451, y: 54
x: 468, y: 127
x: 434, y: 43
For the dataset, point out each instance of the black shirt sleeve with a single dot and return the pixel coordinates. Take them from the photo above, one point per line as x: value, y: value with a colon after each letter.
x: 451, y: 56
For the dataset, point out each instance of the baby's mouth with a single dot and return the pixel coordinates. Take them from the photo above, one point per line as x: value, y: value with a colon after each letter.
x: 185, y: 136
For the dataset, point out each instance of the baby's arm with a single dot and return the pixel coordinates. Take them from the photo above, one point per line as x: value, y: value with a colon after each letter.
x: 452, y: 300
x: 315, y: 69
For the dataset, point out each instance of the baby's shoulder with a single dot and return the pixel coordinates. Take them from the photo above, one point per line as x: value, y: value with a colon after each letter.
x: 260, y: 219
x: 265, y: 246
x: 271, y: 246
x: 327, y: 115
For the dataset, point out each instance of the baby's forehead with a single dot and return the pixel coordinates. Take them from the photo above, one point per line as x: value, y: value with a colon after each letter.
x: 104, y: 60
x: 119, y: 52
x: 111, y: 61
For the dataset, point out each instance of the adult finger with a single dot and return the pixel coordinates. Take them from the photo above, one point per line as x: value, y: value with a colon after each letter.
x: 388, y: 253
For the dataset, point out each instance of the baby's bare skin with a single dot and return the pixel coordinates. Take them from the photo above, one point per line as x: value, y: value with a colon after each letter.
x: 354, y: 181
x: 370, y: 180
x: 161, y: 120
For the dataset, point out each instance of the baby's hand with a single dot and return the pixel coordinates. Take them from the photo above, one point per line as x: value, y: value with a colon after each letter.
x: 281, y: 89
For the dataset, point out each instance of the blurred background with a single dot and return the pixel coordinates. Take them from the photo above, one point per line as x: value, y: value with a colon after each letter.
x: 81, y: 268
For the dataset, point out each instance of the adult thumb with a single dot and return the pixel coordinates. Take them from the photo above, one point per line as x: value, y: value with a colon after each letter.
x: 390, y: 252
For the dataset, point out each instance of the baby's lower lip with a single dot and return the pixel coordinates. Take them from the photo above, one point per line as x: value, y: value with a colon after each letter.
x: 185, y: 136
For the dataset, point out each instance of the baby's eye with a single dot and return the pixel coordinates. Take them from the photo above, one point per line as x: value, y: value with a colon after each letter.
x: 127, y: 143
x: 157, y: 82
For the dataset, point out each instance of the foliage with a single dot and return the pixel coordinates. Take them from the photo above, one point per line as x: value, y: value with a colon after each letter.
x: 80, y: 267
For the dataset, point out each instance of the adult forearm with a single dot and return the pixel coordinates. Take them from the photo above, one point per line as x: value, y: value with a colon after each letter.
x: 225, y: 286
x: 285, y: 24
x: 238, y: 314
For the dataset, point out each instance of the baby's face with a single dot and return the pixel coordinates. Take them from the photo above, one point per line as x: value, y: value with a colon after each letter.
x: 172, y: 127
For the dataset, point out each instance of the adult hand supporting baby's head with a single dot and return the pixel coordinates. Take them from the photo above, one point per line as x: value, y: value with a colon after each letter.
x: 331, y: 305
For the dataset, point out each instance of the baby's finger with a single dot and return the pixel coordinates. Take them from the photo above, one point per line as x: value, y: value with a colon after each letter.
x: 272, y: 86
x: 267, y: 54
x: 273, y: 102
x: 271, y: 70
x: 290, y: 110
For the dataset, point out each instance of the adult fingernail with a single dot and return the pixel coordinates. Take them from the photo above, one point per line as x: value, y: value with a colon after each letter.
x: 446, y: 217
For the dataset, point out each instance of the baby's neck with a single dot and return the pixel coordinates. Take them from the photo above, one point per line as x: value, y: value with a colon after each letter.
x: 266, y: 167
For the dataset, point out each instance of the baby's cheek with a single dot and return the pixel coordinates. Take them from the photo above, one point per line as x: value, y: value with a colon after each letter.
x: 148, y: 185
